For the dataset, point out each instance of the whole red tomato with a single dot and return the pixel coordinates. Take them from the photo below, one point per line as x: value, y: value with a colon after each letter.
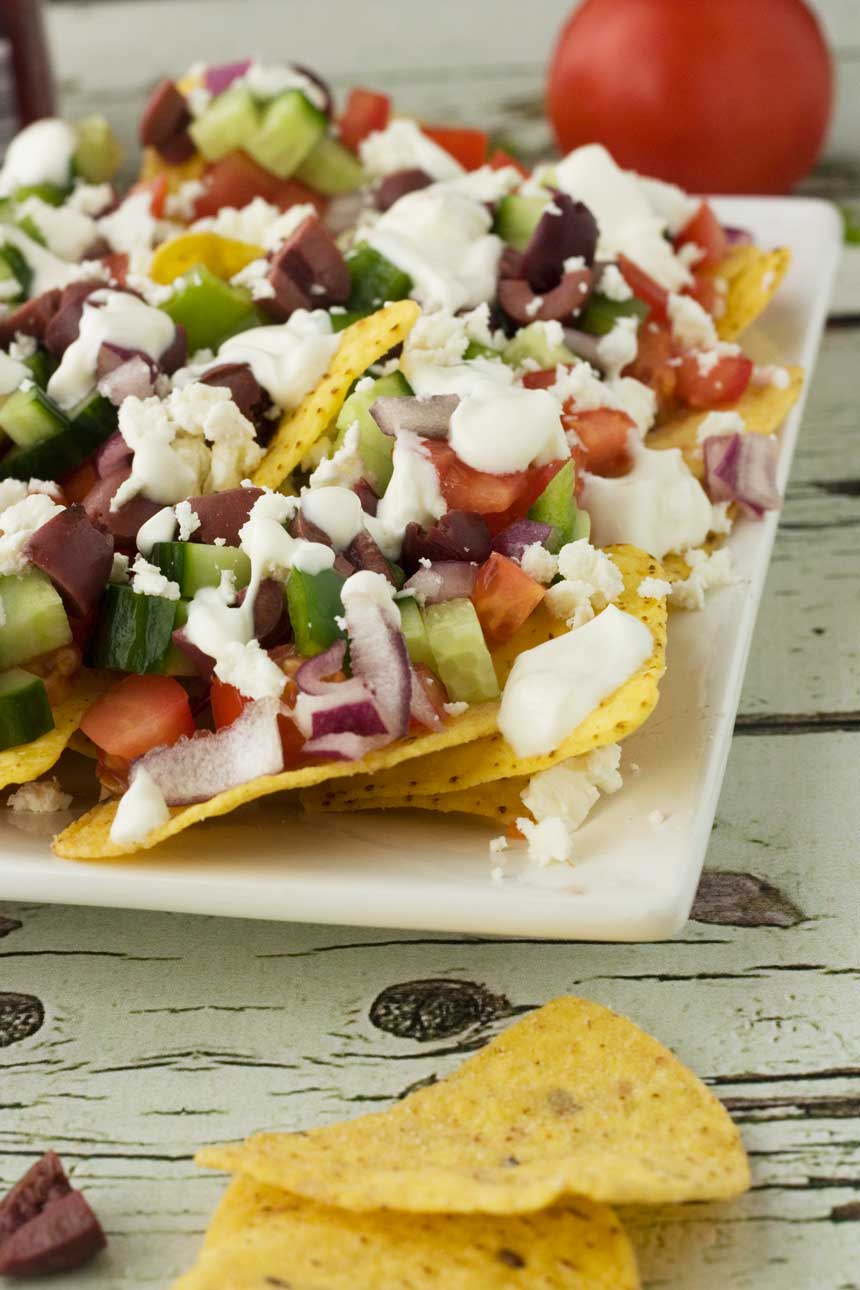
x: 720, y: 96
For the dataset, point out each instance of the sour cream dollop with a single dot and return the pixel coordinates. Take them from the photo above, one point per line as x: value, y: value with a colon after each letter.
x: 288, y: 360
x: 501, y: 430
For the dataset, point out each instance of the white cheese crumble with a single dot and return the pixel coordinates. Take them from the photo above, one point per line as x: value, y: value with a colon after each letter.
x: 148, y: 580
x: 591, y: 580
x: 539, y: 563
x: 619, y: 347
x: 707, y: 573
x: 180, y: 205
x: 259, y: 223
x: 769, y: 374
x: 455, y: 709
x: 721, y: 517
x: 654, y: 588
x: 141, y: 809
x: 41, y: 797
x: 692, y: 326
x: 344, y: 467
x: 402, y: 145
x: 570, y: 789
x: 255, y: 277
x: 549, y: 842
x: 18, y: 522
x: 67, y: 232
x: 720, y: 423
x: 613, y: 284
x: 656, y: 818
x: 119, y: 568
x: 187, y: 519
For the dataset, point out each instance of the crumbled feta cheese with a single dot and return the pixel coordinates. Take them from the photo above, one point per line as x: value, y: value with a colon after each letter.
x: 768, y: 374
x: 141, y: 809
x: 721, y: 518
x: 690, y: 254
x: 497, y: 873
x: 187, y: 518
x: 656, y: 818
x: 67, y: 232
x: 692, y: 326
x: 675, y: 206
x: 259, y: 223
x: 154, y: 293
x: 345, y: 467
x: 570, y: 789
x: 455, y: 709
x: 18, y: 522
x: 402, y: 145
x: 619, y: 347
x: 119, y: 568
x: 180, y: 205
x: 22, y: 347
x: 498, y: 844
x: 534, y: 307
x: 591, y: 580
x: 148, y: 580
x: 613, y: 284
x: 41, y: 797
x: 654, y: 588
x: 707, y: 572
x: 539, y: 563
x: 248, y: 667
x: 549, y: 842
x: 720, y: 423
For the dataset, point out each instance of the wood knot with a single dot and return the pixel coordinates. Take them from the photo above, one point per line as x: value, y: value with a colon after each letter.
x: 435, y: 1009
x: 21, y: 1015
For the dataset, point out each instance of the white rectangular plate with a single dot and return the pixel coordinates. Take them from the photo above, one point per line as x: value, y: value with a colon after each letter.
x: 635, y: 880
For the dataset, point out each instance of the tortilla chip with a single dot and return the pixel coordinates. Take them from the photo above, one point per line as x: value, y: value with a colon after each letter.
x: 29, y: 761
x: 362, y: 344
x: 492, y: 758
x: 763, y: 408
x: 263, y: 1237
x: 752, y: 276
x: 498, y: 800
x: 571, y: 1100
x: 152, y: 165
x: 223, y: 256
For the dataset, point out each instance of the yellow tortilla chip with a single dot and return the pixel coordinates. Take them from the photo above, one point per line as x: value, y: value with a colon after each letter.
x: 571, y: 1100
x: 763, y: 408
x: 223, y: 256
x: 152, y: 165
x: 752, y: 276
x: 263, y: 1237
x: 29, y: 761
x: 491, y: 758
x: 498, y: 800
x: 362, y: 344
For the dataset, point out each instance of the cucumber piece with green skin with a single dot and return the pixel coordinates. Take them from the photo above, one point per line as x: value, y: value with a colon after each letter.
x: 13, y: 265
x: 228, y: 123
x: 29, y: 416
x: 194, y: 564
x: 25, y: 712
x: 557, y: 506
x: 94, y: 420
x: 531, y: 342
x: 176, y: 661
x: 51, y: 194
x: 35, y: 619
x: 42, y: 365
x: 375, y: 448
x: 374, y: 280
x: 133, y: 632
x: 463, y: 661
x: 287, y: 133
x: 331, y: 168
x: 98, y: 154
x: 314, y: 602
x: 517, y: 218
x: 601, y: 314
x: 29, y: 226
x: 415, y: 633
x: 209, y: 309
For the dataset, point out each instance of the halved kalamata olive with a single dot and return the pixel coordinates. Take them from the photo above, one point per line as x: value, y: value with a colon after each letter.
x: 222, y: 515
x: 367, y: 495
x: 176, y: 353
x: 304, y: 529
x: 245, y: 390
x: 165, y: 115
x: 364, y: 553
x: 458, y: 535
x: 312, y: 260
x: 75, y: 555
x: 124, y: 523
x: 45, y: 1225
x: 390, y: 189
x: 511, y: 263
x: 63, y: 327
x: 566, y: 228
x: 565, y: 300
x: 178, y: 149
x: 31, y: 318
x: 112, y: 455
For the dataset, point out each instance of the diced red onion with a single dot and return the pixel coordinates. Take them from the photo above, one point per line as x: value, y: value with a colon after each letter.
x: 130, y: 379
x: 344, y: 747
x: 738, y: 236
x: 565, y: 229
x: 742, y: 468
x: 513, y: 540
x: 196, y: 768
x: 378, y: 655
x: 311, y: 675
x: 218, y: 79
x: 445, y: 580
x: 521, y: 302
x: 348, y: 709
x: 458, y: 535
x: 429, y: 417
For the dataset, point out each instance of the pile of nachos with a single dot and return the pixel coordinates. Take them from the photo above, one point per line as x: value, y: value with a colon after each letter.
x: 341, y: 456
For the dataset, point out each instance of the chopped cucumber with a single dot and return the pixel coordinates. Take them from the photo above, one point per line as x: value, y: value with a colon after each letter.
x: 133, y: 632
x: 42, y: 365
x: 13, y: 265
x: 194, y: 564
x: 29, y: 226
x: 313, y: 601
x: 331, y: 168
x: 230, y: 121
x: 415, y: 633
x: 51, y: 194
x: 29, y: 417
x: 374, y: 280
x: 517, y: 218
x: 475, y: 349
x: 99, y: 153
x: 374, y: 447
x: 557, y: 506
x: 457, y: 643
x: 25, y: 712
x: 92, y: 421
x: 601, y: 314
x: 35, y: 620
x: 290, y: 128
x: 533, y: 342
x: 94, y: 418
x: 176, y: 661
x: 209, y: 309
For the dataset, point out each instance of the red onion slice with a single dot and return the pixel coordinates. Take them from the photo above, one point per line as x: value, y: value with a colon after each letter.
x: 344, y: 747
x: 742, y: 468
x: 207, y: 763
x: 513, y: 540
x: 445, y: 580
x: 378, y: 656
x: 311, y: 675
x: 429, y: 416
x: 738, y: 236
x: 218, y: 79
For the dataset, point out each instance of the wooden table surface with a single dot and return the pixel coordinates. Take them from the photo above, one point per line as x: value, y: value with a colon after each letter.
x: 127, y: 1040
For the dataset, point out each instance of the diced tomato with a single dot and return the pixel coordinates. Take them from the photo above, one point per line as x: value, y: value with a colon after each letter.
x: 117, y: 265
x: 139, y: 713
x: 227, y: 703
x: 499, y: 159
x: 725, y: 382
x: 292, y: 741
x: 365, y: 111
x: 158, y: 188
x: 78, y: 483
x: 655, y: 363
x: 236, y: 180
x: 603, y: 434
x: 465, y: 489
x: 644, y: 287
x: 503, y: 597
x: 705, y: 231
x: 541, y: 380
x: 469, y: 147
x: 434, y: 692
x: 704, y: 292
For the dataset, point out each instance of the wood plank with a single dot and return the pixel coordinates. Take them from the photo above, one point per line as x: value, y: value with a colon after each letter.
x: 157, y: 1048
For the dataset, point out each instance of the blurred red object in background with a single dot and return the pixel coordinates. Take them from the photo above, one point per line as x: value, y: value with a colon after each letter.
x: 720, y: 96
